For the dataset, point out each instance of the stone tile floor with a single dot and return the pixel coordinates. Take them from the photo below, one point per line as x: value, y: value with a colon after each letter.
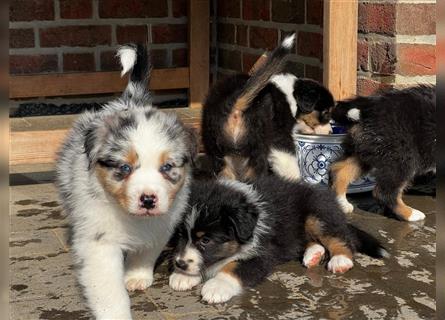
x: 43, y: 284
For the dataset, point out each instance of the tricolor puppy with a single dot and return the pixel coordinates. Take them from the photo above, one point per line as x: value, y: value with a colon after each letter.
x: 248, y: 120
x: 392, y: 133
x: 123, y: 175
x: 234, y: 234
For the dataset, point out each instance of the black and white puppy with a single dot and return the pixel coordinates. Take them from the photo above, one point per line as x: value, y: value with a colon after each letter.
x: 234, y: 234
x: 123, y: 176
x: 392, y: 133
x: 248, y: 120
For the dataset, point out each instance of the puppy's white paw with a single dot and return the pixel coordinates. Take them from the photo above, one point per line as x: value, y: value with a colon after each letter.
x: 416, y: 215
x: 344, y: 204
x: 182, y: 282
x: 313, y: 255
x: 339, y: 264
x: 138, y: 280
x: 220, y: 289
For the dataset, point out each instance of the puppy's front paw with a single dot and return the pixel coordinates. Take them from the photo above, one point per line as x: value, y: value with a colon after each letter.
x: 138, y: 280
x: 340, y: 264
x: 313, y: 255
x: 182, y: 282
x: 220, y: 289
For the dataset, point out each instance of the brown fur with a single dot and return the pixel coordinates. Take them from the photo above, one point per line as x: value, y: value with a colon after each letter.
x: 343, y: 173
x: 235, y: 127
x: 311, y: 119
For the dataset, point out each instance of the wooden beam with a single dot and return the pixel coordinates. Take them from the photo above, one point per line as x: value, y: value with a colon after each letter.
x: 199, y: 25
x: 340, y: 47
x: 65, y: 84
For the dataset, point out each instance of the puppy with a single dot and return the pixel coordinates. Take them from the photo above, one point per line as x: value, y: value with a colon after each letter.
x: 248, y: 120
x: 123, y: 175
x: 234, y: 234
x: 392, y: 133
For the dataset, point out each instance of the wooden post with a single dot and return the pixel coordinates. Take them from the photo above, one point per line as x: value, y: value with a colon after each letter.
x: 340, y: 47
x: 199, y: 25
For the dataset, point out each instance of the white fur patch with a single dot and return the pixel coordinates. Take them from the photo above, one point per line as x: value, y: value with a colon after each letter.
x: 221, y: 288
x: 313, y: 255
x: 323, y: 129
x: 344, y: 204
x: 339, y: 264
x: 138, y: 280
x: 416, y: 215
x: 284, y: 164
x: 354, y: 114
x: 182, y: 282
x: 127, y: 57
x: 285, y: 82
x: 288, y: 42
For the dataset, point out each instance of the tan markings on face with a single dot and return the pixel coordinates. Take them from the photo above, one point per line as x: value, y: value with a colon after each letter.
x: 163, y: 158
x: 173, y: 188
x: 235, y: 128
x: 131, y: 158
x: 343, y: 173
x: 311, y: 119
x: 229, y: 248
x: 336, y: 246
x: 200, y: 234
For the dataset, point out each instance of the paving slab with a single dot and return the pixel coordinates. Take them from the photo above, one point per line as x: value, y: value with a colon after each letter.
x: 43, y: 277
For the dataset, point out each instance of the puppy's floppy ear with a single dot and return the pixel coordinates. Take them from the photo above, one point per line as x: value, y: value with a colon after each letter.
x: 243, y: 219
x: 311, y: 95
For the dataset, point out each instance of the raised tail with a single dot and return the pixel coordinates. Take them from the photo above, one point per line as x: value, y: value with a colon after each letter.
x: 367, y: 244
x: 135, y: 58
x: 262, y: 74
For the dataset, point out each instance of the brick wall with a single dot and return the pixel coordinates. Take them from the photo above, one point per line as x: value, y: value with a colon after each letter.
x: 70, y: 36
x: 396, y: 43
x: 246, y: 28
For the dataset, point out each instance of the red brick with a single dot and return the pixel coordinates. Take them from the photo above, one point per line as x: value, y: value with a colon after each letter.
x: 362, y: 55
x: 21, y: 38
x: 241, y: 35
x: 310, y: 44
x: 80, y: 9
x: 226, y: 33
x: 229, y: 8
x: 135, y: 34
x: 179, y: 8
x: 256, y: 10
x: 313, y: 72
x: 133, y: 8
x: 169, y: 33
x: 24, y: 64
x: 30, y: 10
x: 378, y: 18
x: 416, y: 19
x: 366, y: 86
x: 229, y: 59
x: 248, y: 61
x: 109, y: 61
x: 180, y: 58
x: 314, y: 13
x: 264, y: 38
x: 159, y: 58
x: 72, y: 36
x: 288, y: 11
x: 78, y: 62
x: 416, y: 59
x: 382, y: 58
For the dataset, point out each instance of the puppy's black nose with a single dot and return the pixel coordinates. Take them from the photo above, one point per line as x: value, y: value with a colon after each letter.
x: 181, y: 264
x: 148, y: 202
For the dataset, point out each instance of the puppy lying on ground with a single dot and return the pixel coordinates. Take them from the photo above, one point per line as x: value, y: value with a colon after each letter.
x: 248, y: 120
x: 234, y: 234
x: 393, y: 133
x: 123, y: 176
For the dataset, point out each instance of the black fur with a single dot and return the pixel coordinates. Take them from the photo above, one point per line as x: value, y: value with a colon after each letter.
x: 226, y: 215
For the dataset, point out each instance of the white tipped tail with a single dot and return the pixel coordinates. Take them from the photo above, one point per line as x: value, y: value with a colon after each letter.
x: 288, y: 42
x: 127, y: 57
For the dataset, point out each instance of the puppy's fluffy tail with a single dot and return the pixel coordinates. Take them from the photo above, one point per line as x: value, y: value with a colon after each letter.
x: 262, y: 74
x: 347, y: 112
x: 135, y: 58
x: 367, y: 244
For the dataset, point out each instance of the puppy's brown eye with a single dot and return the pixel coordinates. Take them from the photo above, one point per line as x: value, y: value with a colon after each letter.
x: 166, y: 167
x: 204, y: 240
x: 125, y: 169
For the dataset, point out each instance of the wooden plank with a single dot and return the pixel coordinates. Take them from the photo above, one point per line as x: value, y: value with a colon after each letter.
x: 37, y: 144
x: 199, y: 43
x: 64, y: 84
x: 340, y: 47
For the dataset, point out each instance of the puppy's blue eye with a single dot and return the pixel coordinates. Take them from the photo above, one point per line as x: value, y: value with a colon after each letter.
x: 166, y: 167
x: 125, y: 169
